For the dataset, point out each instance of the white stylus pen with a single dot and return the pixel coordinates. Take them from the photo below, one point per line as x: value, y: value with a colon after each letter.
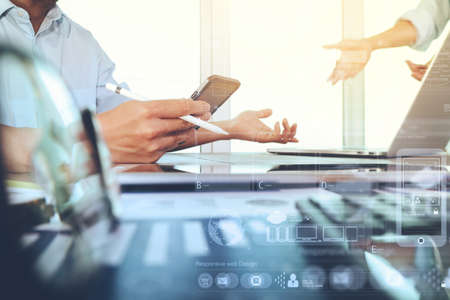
x: 203, y: 124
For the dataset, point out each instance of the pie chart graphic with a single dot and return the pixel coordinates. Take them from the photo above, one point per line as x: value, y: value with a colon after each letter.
x: 227, y: 231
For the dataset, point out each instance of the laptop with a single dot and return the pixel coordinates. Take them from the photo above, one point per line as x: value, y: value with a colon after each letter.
x: 425, y: 128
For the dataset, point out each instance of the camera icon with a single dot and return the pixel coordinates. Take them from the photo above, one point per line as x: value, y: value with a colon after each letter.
x: 256, y: 280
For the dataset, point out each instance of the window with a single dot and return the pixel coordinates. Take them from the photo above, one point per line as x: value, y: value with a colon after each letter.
x: 277, y: 54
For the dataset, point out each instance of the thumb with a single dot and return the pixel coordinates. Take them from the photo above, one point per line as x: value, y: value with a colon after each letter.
x: 412, y: 67
x: 332, y: 46
x: 343, y: 45
x: 264, y: 113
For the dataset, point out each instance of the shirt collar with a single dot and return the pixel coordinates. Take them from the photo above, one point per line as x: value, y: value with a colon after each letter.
x: 5, y: 5
x: 55, y: 14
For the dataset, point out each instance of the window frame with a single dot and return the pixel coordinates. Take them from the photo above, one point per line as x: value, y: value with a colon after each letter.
x: 215, y: 59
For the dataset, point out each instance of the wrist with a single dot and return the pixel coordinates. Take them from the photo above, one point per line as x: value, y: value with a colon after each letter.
x: 372, y: 44
x: 103, y: 124
x: 105, y: 129
x: 228, y: 127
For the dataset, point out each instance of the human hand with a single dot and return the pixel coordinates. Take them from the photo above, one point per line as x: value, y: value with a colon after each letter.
x: 141, y: 132
x: 418, y: 71
x: 355, y: 55
x: 248, y: 126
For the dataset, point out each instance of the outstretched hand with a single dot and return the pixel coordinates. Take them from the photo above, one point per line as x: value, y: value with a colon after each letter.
x: 418, y: 71
x: 355, y: 55
x: 248, y: 126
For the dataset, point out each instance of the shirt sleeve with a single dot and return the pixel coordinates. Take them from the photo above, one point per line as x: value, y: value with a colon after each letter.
x: 18, y: 104
x: 429, y: 19
x: 106, y: 99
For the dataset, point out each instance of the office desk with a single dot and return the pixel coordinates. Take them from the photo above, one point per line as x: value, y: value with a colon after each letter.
x: 259, y: 171
x: 244, y: 245
x: 306, y: 241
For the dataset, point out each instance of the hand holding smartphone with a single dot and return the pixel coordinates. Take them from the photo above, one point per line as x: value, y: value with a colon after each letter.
x: 216, y: 90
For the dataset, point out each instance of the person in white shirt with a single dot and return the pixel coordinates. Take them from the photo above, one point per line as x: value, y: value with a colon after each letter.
x: 417, y: 28
x: 135, y: 131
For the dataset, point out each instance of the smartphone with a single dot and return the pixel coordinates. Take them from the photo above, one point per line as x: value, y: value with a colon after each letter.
x: 421, y: 199
x: 216, y: 90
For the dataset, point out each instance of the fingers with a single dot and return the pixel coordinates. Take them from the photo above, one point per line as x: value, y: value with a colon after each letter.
x: 354, y: 57
x: 286, y: 125
x: 161, y: 144
x: 344, y: 71
x: 264, y: 113
x: 277, y: 128
x: 159, y: 127
x: 291, y: 137
x: 265, y: 134
x: 418, y: 71
x: 331, y: 46
x: 346, y: 45
x: 275, y: 136
x: 182, y: 137
x: 411, y: 65
x: 169, y: 142
x: 418, y: 75
x: 332, y: 78
x: 415, y: 67
x: 286, y: 131
x: 204, y: 117
x: 176, y: 108
x: 337, y: 75
x: 289, y: 132
x: 342, y: 45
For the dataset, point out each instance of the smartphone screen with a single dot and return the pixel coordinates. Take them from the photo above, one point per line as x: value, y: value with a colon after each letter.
x: 422, y: 198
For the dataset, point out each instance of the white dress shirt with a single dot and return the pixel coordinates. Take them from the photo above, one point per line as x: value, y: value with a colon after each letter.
x: 430, y: 18
x: 67, y: 46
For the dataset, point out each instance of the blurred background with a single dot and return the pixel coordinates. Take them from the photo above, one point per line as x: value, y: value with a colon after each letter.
x: 273, y: 47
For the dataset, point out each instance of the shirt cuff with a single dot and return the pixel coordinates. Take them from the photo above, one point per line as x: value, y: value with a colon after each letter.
x: 423, y: 22
x: 107, y: 100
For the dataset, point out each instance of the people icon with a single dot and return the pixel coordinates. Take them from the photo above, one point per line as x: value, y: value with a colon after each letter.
x: 293, y: 282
